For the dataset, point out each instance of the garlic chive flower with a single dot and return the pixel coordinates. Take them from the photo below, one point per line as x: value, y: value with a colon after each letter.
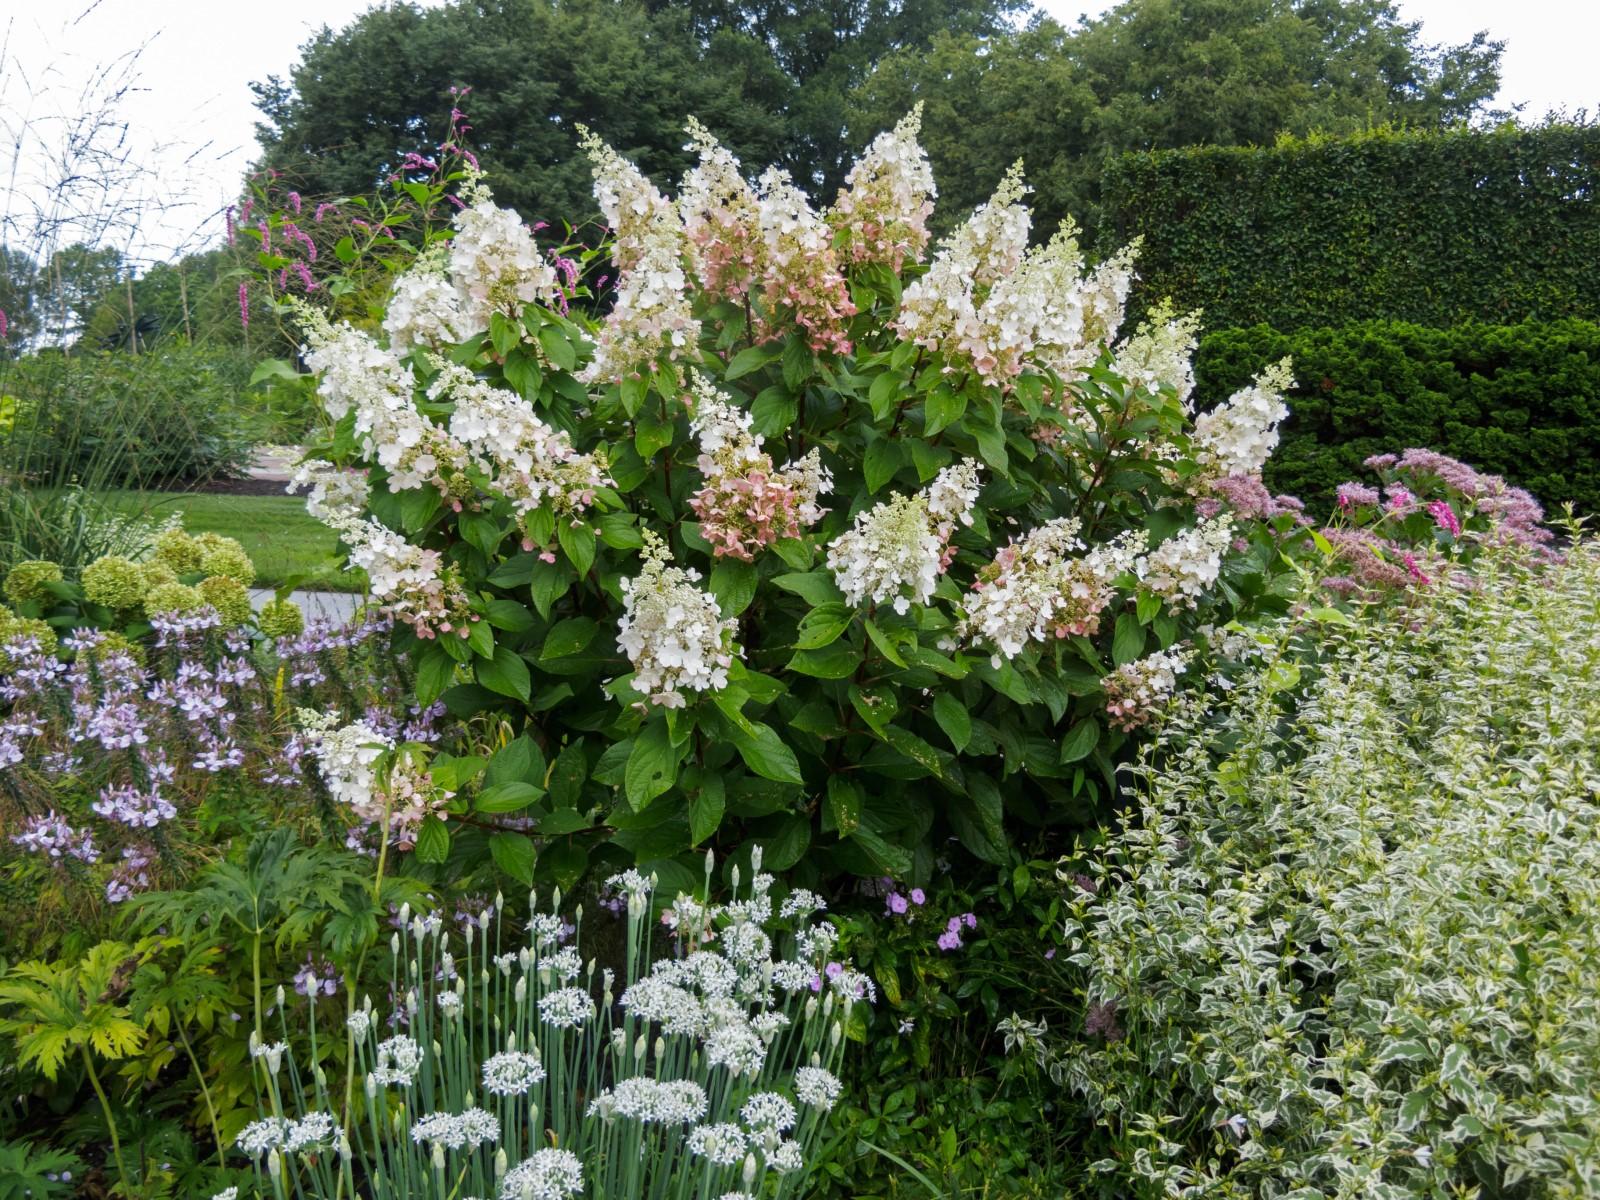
x: 547, y: 1175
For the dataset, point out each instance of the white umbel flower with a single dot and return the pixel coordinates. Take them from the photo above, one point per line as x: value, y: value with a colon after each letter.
x: 547, y: 1175
x: 672, y: 630
x: 512, y: 1073
x: 817, y: 1087
x: 722, y: 1144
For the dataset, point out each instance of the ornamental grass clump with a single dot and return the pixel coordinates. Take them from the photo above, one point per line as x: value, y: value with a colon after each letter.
x: 509, y: 1068
x: 1347, y: 945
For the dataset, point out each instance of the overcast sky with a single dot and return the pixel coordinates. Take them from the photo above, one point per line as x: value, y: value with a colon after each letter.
x: 190, y: 114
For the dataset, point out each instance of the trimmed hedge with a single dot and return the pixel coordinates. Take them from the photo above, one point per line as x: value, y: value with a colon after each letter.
x: 1520, y: 400
x: 1436, y: 228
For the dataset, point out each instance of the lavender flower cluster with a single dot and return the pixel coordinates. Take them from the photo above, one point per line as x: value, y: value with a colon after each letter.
x: 105, y: 757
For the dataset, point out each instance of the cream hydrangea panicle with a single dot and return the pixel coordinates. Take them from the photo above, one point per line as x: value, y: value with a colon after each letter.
x: 651, y: 316
x: 1137, y: 691
x: 357, y: 375
x: 1184, y: 568
x: 745, y: 504
x: 895, y: 551
x: 347, y: 757
x: 672, y: 630
x: 1039, y: 587
x: 424, y: 307
x: 532, y: 463
x: 720, y: 218
x: 495, y: 264
x: 881, y: 214
x: 1160, y: 352
x: 938, y: 311
x: 1238, y: 436
x: 800, y: 273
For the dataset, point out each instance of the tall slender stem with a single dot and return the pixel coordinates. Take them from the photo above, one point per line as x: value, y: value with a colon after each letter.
x: 111, y: 1120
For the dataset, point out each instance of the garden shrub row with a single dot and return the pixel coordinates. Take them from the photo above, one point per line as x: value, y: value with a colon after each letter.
x: 1520, y: 400
x: 1436, y: 228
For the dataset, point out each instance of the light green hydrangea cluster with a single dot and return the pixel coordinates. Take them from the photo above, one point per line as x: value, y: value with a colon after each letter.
x: 114, y: 582
x: 26, y: 581
x: 280, y: 618
x: 178, y: 550
x: 12, y: 627
x: 228, y: 596
x: 173, y: 598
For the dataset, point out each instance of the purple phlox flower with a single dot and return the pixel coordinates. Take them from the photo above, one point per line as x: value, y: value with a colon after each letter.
x: 918, y: 897
x: 970, y: 921
x: 897, y: 903
x: 950, y: 940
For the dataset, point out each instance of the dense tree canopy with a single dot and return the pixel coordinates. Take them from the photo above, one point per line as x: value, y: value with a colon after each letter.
x: 1160, y: 74
x: 805, y: 85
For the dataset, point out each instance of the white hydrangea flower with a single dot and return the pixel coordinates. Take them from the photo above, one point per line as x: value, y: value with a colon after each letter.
x: 895, y: 551
x: 719, y: 212
x: 1160, y: 352
x: 672, y: 630
x: 722, y: 1144
x: 817, y: 1087
x: 512, y: 1073
x: 1184, y: 568
x: 651, y: 315
x: 566, y: 1008
x: 1039, y: 588
x: 346, y: 759
x: 495, y: 264
x: 884, y: 206
x: 531, y: 462
x: 547, y: 1175
x: 1136, y: 691
x: 1238, y: 436
x: 424, y: 307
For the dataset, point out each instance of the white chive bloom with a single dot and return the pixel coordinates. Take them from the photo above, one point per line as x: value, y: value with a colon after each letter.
x: 722, y: 1144
x: 817, y: 1087
x: 547, y: 1175
x: 512, y: 1073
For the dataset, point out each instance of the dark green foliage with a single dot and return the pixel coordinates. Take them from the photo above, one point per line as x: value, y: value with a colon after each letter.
x: 1159, y: 74
x: 1436, y: 228
x: 1521, y: 401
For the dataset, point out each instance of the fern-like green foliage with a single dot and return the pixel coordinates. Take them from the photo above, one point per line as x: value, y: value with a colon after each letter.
x: 54, y: 1009
x: 29, y: 1173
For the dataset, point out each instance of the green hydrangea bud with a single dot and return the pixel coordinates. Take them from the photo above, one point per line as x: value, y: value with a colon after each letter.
x: 173, y: 598
x: 280, y: 618
x: 227, y: 557
x: 156, y: 573
x: 13, y: 627
x: 115, y: 582
x: 25, y: 582
x: 228, y: 596
x: 177, y: 550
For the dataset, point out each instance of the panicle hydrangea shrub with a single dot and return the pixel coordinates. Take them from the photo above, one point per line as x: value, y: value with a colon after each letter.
x: 1347, y: 944
x: 822, y: 536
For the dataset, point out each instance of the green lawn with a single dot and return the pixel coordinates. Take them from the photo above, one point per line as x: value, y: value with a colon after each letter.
x: 281, y: 539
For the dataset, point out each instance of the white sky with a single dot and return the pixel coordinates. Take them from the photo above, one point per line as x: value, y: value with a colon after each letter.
x: 191, y: 118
